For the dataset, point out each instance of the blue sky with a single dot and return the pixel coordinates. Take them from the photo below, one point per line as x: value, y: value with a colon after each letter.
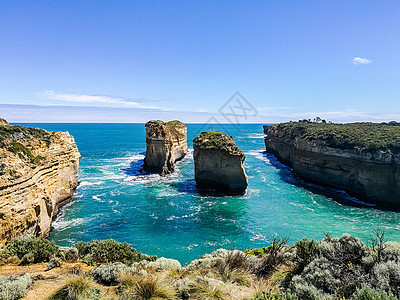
x: 130, y: 61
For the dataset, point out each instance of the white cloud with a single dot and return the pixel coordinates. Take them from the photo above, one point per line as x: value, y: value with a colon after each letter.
x: 359, y: 60
x: 94, y: 99
x: 202, y: 110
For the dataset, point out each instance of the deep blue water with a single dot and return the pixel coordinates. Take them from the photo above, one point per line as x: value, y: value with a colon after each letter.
x: 167, y: 216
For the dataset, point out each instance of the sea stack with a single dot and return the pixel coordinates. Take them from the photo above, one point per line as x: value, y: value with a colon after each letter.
x: 219, y: 163
x: 166, y: 143
x: 38, y: 174
x: 360, y: 158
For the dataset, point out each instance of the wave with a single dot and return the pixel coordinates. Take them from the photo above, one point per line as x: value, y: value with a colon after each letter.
x: 256, y: 136
x: 62, y: 224
x: 89, y: 183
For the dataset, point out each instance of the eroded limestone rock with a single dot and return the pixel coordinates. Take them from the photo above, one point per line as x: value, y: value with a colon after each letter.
x: 38, y: 174
x: 166, y: 143
x: 219, y: 163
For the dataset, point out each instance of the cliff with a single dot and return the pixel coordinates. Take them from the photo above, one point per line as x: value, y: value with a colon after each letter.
x: 219, y: 163
x: 166, y: 143
x: 361, y: 158
x: 38, y: 174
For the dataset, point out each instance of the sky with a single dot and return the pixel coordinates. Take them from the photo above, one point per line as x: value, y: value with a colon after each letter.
x: 224, y: 61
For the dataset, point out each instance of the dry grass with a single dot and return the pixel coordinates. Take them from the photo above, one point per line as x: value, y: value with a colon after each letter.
x: 152, y: 286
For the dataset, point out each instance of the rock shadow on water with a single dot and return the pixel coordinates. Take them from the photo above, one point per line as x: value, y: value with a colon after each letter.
x: 287, y: 174
x: 189, y: 187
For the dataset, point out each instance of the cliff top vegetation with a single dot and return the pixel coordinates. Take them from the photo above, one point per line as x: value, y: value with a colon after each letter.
x: 13, y: 139
x: 15, y: 133
x: 214, y: 140
x: 170, y: 126
x: 362, y: 136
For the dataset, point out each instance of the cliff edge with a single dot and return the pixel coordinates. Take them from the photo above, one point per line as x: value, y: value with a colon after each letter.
x: 219, y: 163
x: 38, y: 174
x: 166, y: 143
x: 361, y: 158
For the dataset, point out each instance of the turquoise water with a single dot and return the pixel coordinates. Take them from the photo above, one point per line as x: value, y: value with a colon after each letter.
x: 167, y: 216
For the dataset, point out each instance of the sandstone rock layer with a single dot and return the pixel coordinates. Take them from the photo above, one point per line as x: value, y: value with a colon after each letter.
x: 219, y: 163
x: 364, y: 161
x: 38, y: 174
x: 166, y: 143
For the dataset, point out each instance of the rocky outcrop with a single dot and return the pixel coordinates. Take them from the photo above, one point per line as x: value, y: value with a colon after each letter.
x: 219, y: 163
x: 38, y: 174
x: 166, y: 143
x: 360, y: 158
x: 3, y: 122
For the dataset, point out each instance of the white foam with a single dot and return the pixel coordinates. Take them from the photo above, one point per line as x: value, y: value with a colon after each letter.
x: 256, y: 136
x: 62, y: 224
x: 89, y: 183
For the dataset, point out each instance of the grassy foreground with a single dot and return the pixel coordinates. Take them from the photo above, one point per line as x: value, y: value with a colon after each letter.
x: 333, y: 268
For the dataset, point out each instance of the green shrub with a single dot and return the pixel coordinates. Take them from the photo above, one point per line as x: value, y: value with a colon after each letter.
x: 344, y: 250
x: 69, y: 254
x: 108, y: 274
x: 367, y: 293
x: 107, y: 251
x: 27, y: 259
x: 165, y: 263
x: 41, y: 249
x: 338, y: 268
x: 303, y: 290
x: 55, y: 262
x: 386, y: 276
x: 391, y: 252
x: 306, y: 252
x: 13, y: 288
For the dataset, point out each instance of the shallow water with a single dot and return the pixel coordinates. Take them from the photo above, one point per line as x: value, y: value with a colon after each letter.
x: 167, y: 216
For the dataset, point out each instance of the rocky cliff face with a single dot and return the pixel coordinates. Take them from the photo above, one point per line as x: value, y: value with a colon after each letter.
x: 38, y: 174
x: 219, y: 163
x: 361, y: 158
x: 166, y: 143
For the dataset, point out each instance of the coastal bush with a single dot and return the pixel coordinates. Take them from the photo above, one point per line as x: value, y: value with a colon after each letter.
x: 41, y: 249
x: 55, y: 262
x: 335, y: 267
x: 77, y: 288
x: 108, y: 274
x: 69, y: 254
x: 386, y: 276
x: 165, y: 263
x: 13, y: 288
x: 306, y: 251
x: 391, y: 252
x: 27, y: 259
x: 368, y: 293
x: 107, y: 251
x: 184, y: 287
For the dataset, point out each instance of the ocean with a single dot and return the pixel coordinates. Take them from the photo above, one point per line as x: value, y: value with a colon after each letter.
x: 167, y: 216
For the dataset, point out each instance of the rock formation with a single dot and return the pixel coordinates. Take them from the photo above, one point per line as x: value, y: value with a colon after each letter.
x: 3, y: 122
x: 219, y: 163
x: 38, y: 174
x: 361, y: 158
x: 166, y: 143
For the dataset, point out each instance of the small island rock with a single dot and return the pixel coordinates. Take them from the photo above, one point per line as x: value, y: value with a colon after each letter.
x: 166, y: 143
x: 219, y: 163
